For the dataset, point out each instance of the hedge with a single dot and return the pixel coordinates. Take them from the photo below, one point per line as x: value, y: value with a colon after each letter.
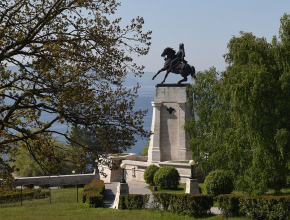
x: 93, y: 194
x: 72, y: 185
x: 28, y: 185
x: 15, y: 195
x: 229, y: 204
x: 44, y: 186
x: 256, y: 207
x: 93, y: 198
x: 133, y: 201
x: 196, y: 205
x: 266, y: 207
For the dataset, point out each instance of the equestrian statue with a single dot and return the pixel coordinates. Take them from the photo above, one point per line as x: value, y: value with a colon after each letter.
x: 175, y: 63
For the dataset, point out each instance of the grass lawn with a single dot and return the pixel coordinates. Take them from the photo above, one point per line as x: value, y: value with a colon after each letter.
x: 180, y: 189
x: 64, y: 206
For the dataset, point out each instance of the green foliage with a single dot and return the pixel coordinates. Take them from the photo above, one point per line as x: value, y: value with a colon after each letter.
x: 83, y: 136
x: 149, y: 174
x: 71, y: 60
x: 145, y: 149
x: 167, y: 177
x: 72, y: 185
x: 66, y: 186
x: 44, y: 186
x: 9, y: 196
x: 219, y: 182
x: 93, y: 194
x: 133, y: 201
x: 96, y: 185
x: 26, y: 155
x: 28, y: 185
x: 64, y: 205
x: 241, y: 121
x: 230, y: 205
x: 196, y: 205
x: 202, y: 96
x: 266, y: 207
x: 93, y: 199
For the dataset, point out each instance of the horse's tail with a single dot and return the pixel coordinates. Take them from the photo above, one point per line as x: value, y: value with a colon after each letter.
x: 192, y: 72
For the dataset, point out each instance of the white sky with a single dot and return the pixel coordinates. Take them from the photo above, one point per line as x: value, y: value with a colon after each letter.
x: 204, y: 26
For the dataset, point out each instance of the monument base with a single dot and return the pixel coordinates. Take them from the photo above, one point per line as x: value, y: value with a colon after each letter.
x: 192, y: 186
x: 154, y: 156
x: 184, y: 154
x: 122, y: 190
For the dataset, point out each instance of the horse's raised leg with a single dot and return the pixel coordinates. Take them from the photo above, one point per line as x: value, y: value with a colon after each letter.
x: 183, y: 80
x: 167, y: 72
x: 164, y: 68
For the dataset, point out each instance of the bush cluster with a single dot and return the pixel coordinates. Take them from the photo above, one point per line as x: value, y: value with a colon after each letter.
x: 72, y: 185
x: 93, y: 194
x: 186, y: 204
x: 219, y: 182
x: 229, y: 204
x: 167, y: 178
x: 133, y: 201
x: 149, y: 174
x: 196, y: 205
x: 266, y: 207
x: 28, y: 185
x: 44, y: 186
x: 256, y: 207
x: 8, y: 196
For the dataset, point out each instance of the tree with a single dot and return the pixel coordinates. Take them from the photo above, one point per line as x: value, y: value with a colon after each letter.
x: 145, y: 149
x: 82, y: 136
x: 25, y: 154
x: 250, y: 125
x: 203, y: 97
x: 72, y: 62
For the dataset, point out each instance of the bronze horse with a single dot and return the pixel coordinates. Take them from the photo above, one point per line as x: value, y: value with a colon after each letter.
x: 181, y: 68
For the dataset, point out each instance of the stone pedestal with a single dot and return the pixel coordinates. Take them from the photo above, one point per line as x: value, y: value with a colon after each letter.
x: 192, y: 186
x: 169, y: 141
x: 122, y: 190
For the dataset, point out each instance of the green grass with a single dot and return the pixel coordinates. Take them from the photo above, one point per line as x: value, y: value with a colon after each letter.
x: 180, y: 189
x: 64, y: 206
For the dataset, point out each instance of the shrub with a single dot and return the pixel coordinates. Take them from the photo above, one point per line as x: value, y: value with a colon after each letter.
x: 93, y: 198
x: 219, y: 182
x: 93, y: 194
x: 167, y: 178
x: 65, y: 186
x: 196, y: 205
x: 15, y: 195
x: 44, y: 186
x: 133, y: 201
x: 28, y: 185
x: 230, y: 205
x: 149, y: 174
x: 96, y: 185
x: 266, y: 207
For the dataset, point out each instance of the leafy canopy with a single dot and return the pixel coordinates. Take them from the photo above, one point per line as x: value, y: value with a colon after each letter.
x: 72, y: 61
x: 26, y: 157
x: 243, y: 122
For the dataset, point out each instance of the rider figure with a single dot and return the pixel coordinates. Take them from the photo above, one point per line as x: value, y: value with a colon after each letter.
x: 179, y: 56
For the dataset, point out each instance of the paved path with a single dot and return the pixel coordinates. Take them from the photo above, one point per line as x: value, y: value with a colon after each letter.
x: 134, y: 188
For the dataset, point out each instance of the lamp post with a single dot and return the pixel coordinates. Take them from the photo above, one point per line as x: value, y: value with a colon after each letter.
x: 191, y: 163
x: 123, y: 166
